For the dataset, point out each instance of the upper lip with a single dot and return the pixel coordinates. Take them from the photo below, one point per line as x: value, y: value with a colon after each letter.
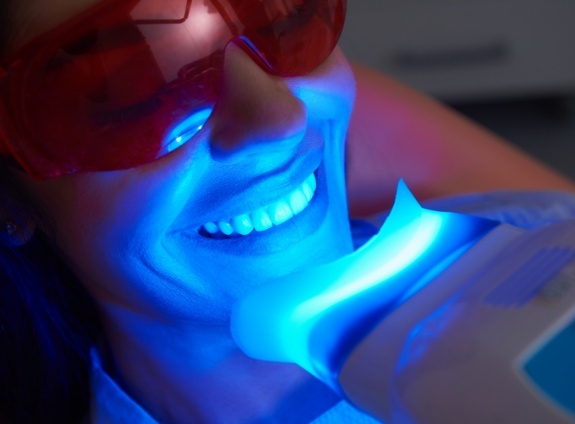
x: 229, y: 196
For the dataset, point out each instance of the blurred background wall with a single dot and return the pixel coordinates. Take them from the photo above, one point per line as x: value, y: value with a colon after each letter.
x: 508, y: 64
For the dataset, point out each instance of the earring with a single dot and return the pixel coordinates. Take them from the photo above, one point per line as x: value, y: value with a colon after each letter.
x: 10, y: 227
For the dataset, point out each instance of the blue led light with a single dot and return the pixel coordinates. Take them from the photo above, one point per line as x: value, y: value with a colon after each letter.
x: 412, y: 241
x: 315, y: 317
x: 187, y: 128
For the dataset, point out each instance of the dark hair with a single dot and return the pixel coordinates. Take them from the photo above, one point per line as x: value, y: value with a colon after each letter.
x: 47, y: 321
x: 47, y: 326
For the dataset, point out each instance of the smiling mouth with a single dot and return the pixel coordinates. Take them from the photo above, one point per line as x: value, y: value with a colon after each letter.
x: 264, y: 218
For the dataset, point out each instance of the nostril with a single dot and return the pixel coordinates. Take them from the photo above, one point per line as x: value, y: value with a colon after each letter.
x: 258, y: 129
x: 255, y: 112
x: 281, y: 116
x: 222, y: 150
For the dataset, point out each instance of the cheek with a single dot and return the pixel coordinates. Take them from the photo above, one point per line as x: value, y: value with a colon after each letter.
x: 328, y: 91
x: 100, y: 220
x: 108, y: 244
x: 107, y: 206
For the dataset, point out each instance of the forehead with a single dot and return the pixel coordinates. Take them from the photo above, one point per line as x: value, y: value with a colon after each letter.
x: 30, y: 18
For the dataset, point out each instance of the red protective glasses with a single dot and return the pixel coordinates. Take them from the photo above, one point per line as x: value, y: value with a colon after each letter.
x: 128, y: 80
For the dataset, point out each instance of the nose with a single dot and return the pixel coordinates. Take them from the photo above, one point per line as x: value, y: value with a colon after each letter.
x: 256, y: 112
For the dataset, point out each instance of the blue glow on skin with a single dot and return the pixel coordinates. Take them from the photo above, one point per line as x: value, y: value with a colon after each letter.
x: 314, y: 318
x: 132, y: 237
x: 187, y: 129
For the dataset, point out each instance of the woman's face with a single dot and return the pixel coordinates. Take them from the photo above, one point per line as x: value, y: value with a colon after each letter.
x: 138, y: 238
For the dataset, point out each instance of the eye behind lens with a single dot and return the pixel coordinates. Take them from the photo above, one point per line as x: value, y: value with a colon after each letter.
x: 187, y: 129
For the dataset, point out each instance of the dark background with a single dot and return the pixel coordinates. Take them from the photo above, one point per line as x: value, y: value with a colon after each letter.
x: 507, y: 64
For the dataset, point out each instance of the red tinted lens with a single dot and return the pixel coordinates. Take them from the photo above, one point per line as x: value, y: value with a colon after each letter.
x: 106, y: 90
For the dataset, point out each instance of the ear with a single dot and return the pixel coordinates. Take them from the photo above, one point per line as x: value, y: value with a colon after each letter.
x: 15, y: 230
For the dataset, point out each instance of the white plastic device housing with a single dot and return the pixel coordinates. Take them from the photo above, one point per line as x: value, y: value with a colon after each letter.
x: 455, y: 352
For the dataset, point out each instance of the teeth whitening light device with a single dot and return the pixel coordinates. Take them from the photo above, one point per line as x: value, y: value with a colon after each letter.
x: 439, y: 318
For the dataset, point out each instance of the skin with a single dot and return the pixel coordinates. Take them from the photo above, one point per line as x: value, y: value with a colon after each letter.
x: 164, y: 291
x: 395, y: 132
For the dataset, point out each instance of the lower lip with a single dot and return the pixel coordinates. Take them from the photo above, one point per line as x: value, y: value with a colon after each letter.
x: 277, y: 238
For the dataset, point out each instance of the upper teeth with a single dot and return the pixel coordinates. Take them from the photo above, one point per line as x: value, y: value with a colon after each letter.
x: 264, y: 218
